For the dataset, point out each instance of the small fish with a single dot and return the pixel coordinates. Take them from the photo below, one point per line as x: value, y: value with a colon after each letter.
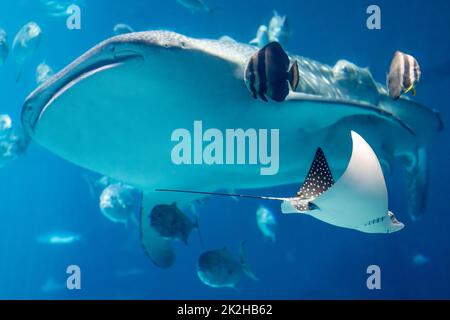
x: 290, y: 257
x: 5, y: 125
x: 58, y: 8
x: 420, y: 259
x: 227, y: 39
x: 262, y: 37
x: 266, y: 222
x: 268, y: 73
x: 59, y: 238
x: 355, y: 82
x: 122, y: 273
x: 52, y: 286
x: 13, y: 140
x: 119, y: 203
x: 4, y: 48
x: 219, y: 269
x: 171, y: 223
x: 122, y: 28
x: 279, y: 29
x: 403, y: 76
x: 25, y: 44
x: 43, y: 73
x: 194, y: 5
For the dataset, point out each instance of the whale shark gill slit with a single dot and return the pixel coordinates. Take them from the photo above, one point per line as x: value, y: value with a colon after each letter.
x: 302, y: 97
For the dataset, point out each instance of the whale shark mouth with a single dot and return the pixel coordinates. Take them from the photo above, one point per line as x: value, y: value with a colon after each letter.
x: 39, y: 100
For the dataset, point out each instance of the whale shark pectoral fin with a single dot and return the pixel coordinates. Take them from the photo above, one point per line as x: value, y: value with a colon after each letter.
x: 416, y: 178
x: 158, y: 249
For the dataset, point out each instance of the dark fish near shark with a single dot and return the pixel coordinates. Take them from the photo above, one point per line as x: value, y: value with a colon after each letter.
x: 268, y: 73
x: 171, y: 223
x: 404, y: 75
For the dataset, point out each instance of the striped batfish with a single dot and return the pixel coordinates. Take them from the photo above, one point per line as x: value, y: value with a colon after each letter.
x: 268, y: 73
x: 403, y: 75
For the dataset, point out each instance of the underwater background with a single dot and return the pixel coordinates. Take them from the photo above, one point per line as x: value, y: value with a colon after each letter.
x: 41, y: 193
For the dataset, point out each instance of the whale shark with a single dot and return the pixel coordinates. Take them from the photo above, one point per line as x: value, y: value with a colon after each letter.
x: 113, y: 109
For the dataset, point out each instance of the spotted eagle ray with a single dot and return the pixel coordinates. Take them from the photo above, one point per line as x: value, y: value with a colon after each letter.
x: 114, y: 108
x: 358, y: 200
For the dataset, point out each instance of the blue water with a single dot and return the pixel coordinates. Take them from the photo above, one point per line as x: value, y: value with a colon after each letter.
x: 41, y: 193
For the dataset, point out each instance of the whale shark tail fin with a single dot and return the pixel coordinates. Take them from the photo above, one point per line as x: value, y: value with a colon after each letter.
x: 415, y: 168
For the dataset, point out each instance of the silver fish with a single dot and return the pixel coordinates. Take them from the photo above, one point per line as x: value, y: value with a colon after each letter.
x: 122, y: 28
x: 119, y: 203
x: 5, y: 125
x: 43, y: 73
x: 403, y: 76
x: 25, y: 44
x: 13, y: 140
x: 194, y: 5
x: 262, y: 37
x: 59, y: 238
x: 58, y: 8
x: 4, y: 47
x: 266, y: 222
x: 279, y: 29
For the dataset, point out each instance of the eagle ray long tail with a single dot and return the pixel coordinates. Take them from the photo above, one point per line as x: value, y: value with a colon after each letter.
x: 223, y: 194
